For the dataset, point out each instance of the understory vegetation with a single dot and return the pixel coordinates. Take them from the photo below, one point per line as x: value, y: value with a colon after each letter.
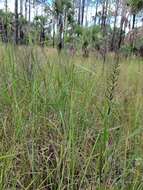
x: 69, y: 122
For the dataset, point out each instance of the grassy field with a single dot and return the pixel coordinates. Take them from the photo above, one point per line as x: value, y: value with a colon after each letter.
x: 70, y: 123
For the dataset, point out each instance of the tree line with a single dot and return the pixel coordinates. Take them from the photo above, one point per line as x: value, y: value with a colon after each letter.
x: 66, y: 21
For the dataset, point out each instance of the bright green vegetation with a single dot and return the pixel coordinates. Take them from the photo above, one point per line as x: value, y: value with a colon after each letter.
x: 68, y: 123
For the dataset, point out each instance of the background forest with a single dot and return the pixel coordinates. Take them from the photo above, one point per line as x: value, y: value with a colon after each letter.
x: 106, y: 24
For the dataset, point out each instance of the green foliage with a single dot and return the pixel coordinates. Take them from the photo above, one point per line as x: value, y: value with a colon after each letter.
x: 133, y: 48
x: 40, y: 21
x: 138, y: 42
x: 78, y: 30
x: 61, y: 5
x: 22, y: 21
x: 96, y: 37
x: 6, y: 17
x: 127, y: 50
x: 136, y: 5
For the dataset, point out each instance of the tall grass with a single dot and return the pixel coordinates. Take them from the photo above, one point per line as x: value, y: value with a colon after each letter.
x: 66, y: 125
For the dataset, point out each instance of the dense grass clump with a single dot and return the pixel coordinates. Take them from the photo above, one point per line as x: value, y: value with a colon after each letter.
x: 67, y: 124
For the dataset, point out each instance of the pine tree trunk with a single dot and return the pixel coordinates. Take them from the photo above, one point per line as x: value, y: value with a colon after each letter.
x: 96, y: 12
x: 53, y: 32
x: 16, y: 21
x: 79, y: 12
x: 121, y: 33
x: 114, y: 28
x: 61, y: 43
x: 83, y: 10
x: 123, y: 16
x: 134, y: 21
x: 104, y: 15
x: 26, y: 9
x: 6, y: 24
x: 86, y: 20
x: 21, y: 7
x: 133, y: 27
x: 20, y: 24
x: 29, y: 11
